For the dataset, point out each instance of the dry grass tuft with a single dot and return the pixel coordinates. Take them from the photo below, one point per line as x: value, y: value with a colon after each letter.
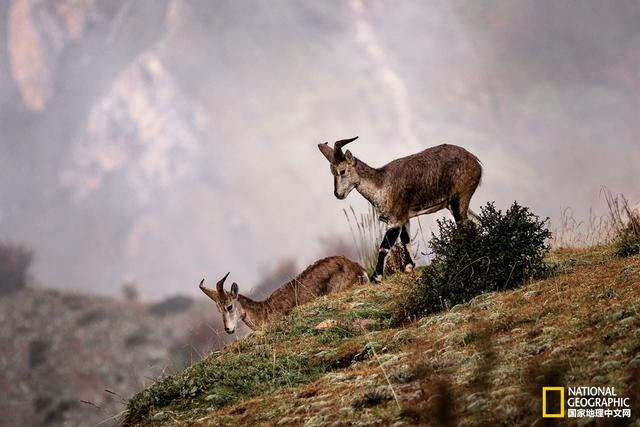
x: 574, y: 233
x: 620, y: 225
x: 625, y: 224
x: 367, y: 232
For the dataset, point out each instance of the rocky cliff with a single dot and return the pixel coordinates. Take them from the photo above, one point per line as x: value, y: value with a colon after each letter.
x: 72, y: 359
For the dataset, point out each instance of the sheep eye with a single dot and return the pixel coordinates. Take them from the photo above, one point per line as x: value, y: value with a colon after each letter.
x: 229, y: 308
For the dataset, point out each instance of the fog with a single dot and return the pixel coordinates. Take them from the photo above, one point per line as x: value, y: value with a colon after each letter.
x: 163, y: 142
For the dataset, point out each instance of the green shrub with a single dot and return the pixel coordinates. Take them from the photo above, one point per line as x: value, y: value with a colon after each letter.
x: 503, y: 251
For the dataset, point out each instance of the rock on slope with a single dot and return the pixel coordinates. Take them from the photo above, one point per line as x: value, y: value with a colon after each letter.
x: 481, y: 362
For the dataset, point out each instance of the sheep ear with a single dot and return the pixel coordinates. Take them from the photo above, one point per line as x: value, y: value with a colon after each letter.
x: 326, y: 151
x: 349, y: 157
x: 209, y: 292
x: 234, y: 290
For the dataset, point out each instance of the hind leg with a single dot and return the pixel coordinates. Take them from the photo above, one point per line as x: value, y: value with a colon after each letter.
x: 463, y: 205
x: 459, y: 207
x: 337, y: 283
x: 456, y: 211
x: 405, y: 238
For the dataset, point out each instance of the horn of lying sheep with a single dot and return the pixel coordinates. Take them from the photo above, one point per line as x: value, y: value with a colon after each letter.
x: 220, y: 284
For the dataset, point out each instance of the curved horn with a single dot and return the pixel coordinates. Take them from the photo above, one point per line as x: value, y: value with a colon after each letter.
x: 339, y: 144
x: 220, y: 284
x: 337, y: 147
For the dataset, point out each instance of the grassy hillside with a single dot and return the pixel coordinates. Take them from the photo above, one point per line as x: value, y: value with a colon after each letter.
x: 341, y: 360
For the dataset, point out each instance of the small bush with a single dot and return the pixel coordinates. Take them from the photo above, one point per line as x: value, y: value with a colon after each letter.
x: 503, y: 251
x: 625, y: 222
x: 14, y: 264
x: 130, y: 291
x: 628, y: 241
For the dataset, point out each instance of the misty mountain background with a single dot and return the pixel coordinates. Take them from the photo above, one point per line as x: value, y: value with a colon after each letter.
x: 163, y: 141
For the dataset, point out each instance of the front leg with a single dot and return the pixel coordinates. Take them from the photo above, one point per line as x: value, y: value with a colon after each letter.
x: 388, y: 240
x: 405, y: 238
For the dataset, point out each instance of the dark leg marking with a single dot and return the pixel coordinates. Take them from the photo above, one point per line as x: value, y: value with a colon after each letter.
x: 389, y: 239
x: 405, y: 238
x: 455, y: 210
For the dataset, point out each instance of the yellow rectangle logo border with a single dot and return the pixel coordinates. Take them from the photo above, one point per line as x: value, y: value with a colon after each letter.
x: 544, y: 402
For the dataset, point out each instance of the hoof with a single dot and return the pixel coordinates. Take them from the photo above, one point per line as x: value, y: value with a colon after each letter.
x: 408, y: 268
x: 375, y: 278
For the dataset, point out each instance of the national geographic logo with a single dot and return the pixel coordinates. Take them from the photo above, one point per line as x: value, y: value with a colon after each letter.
x: 584, y: 402
x: 552, y: 402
